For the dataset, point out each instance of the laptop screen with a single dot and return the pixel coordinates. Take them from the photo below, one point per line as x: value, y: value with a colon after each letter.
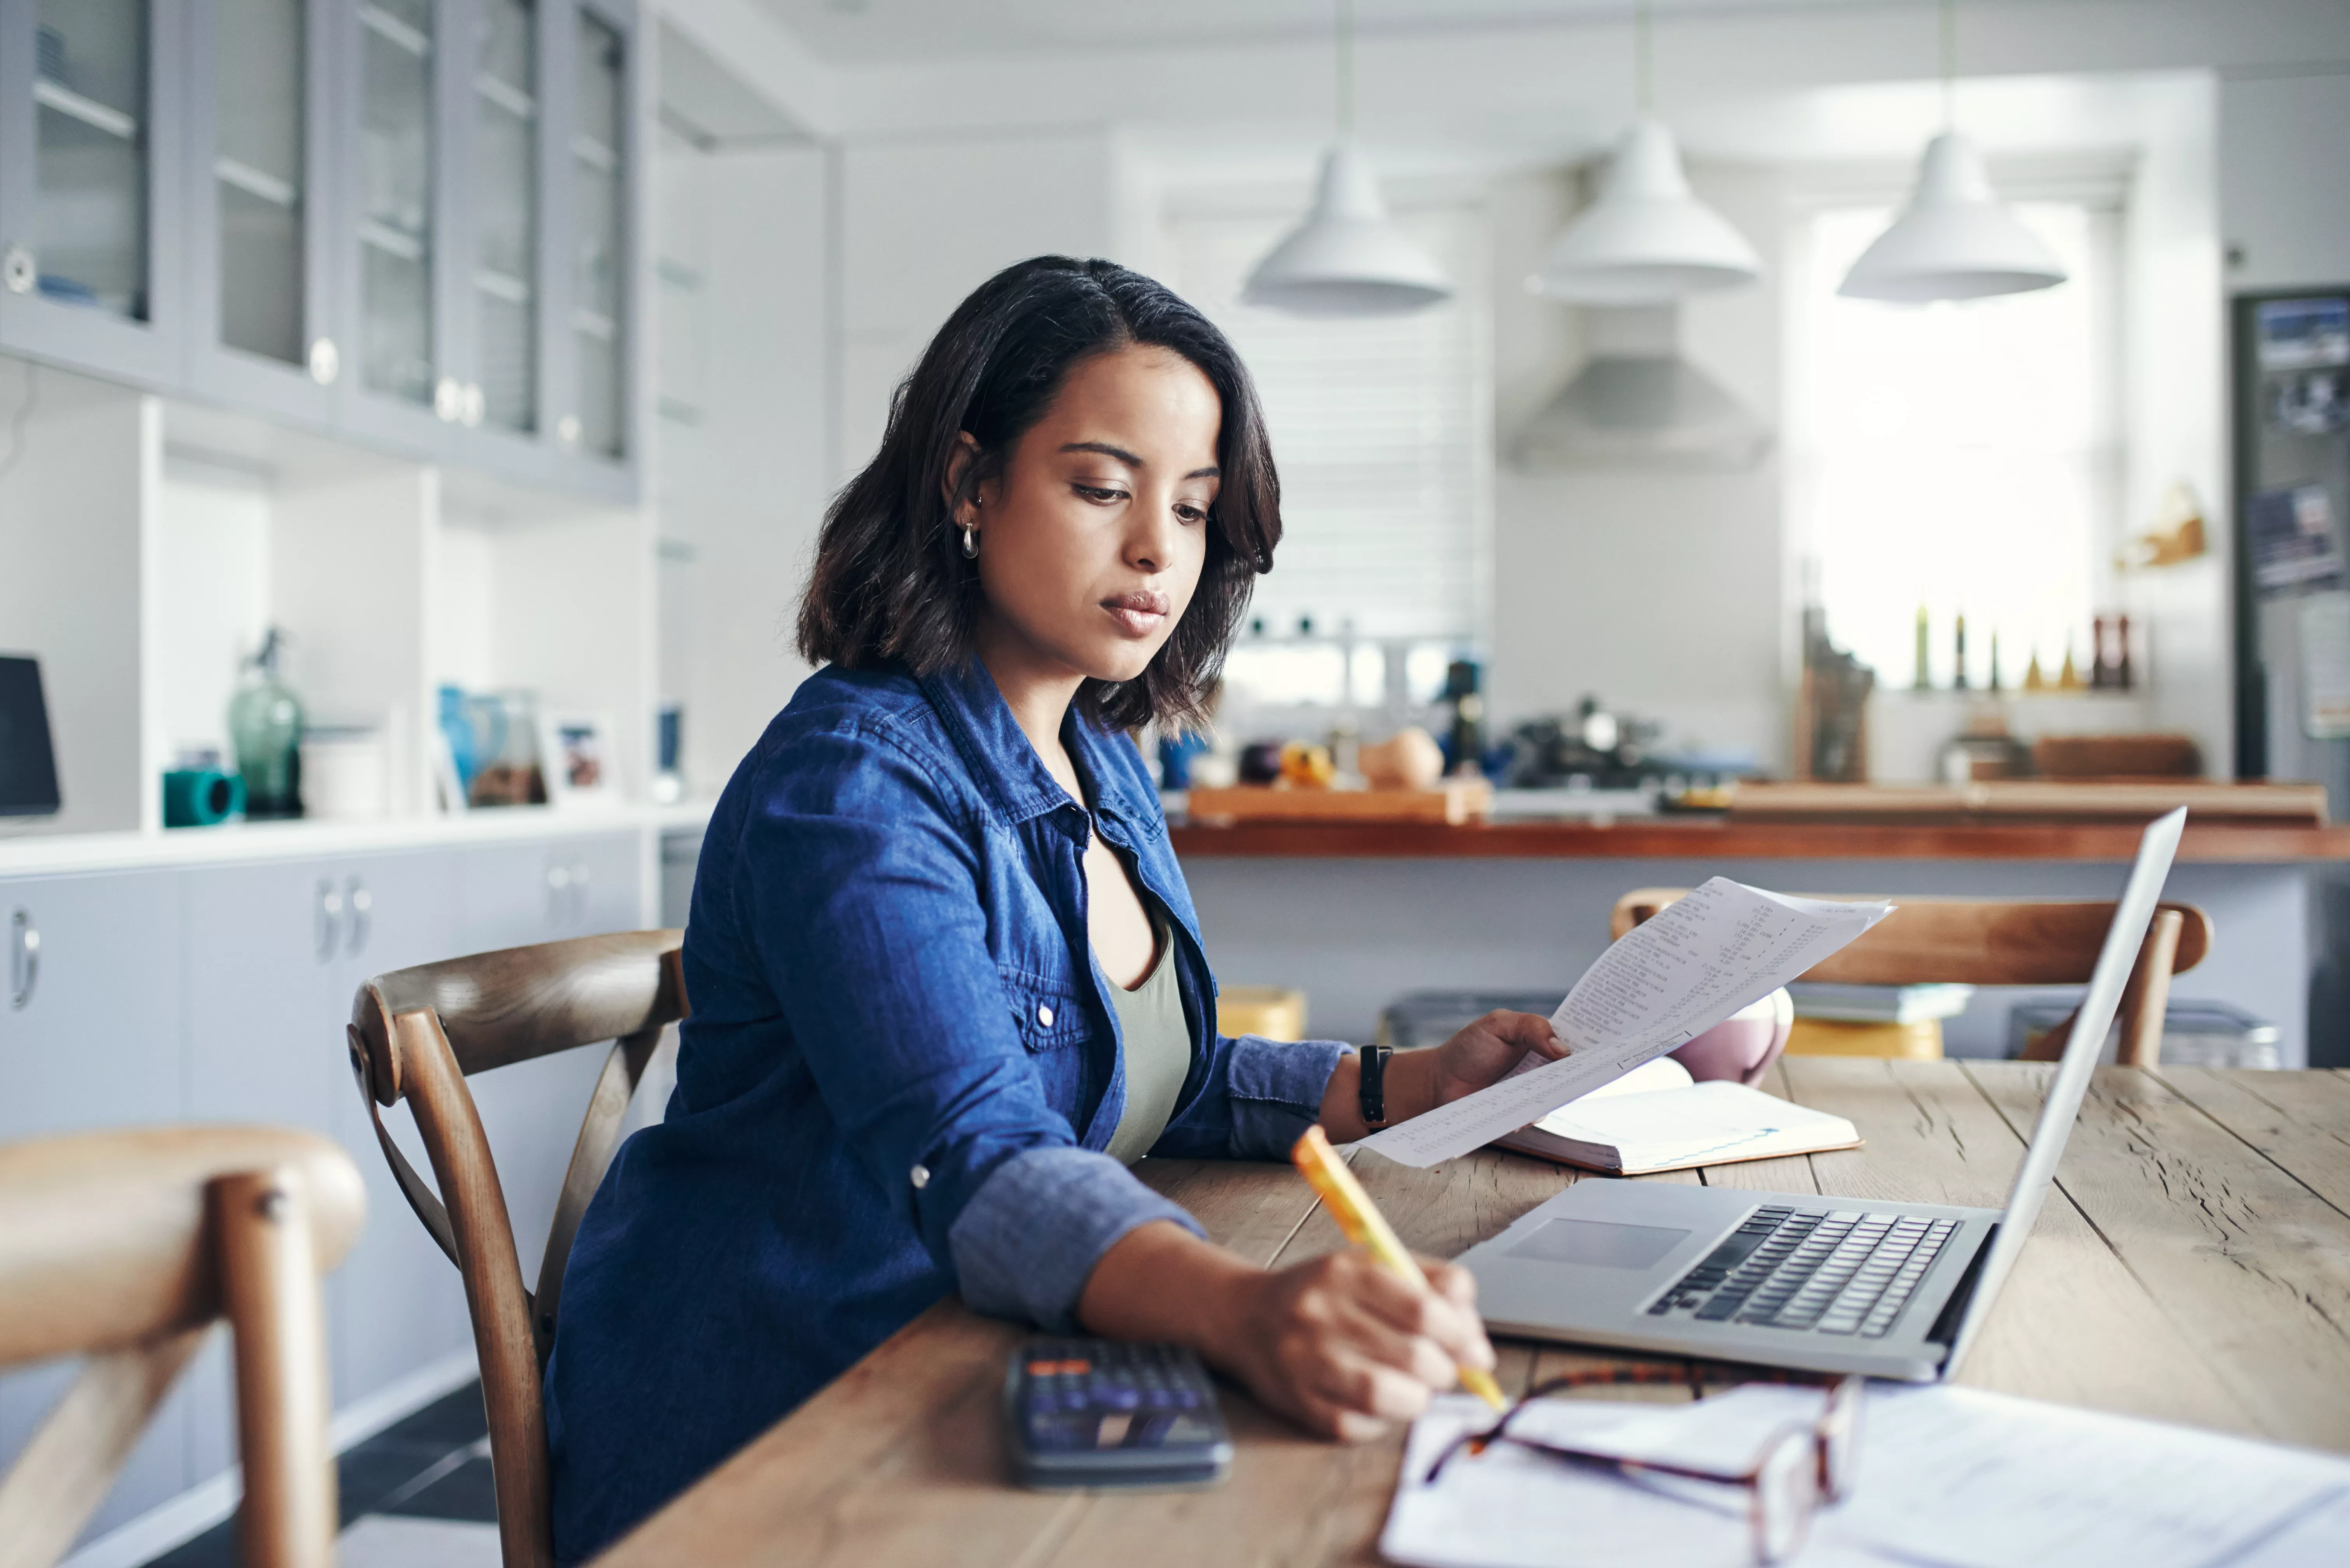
x: 2132, y: 916
x: 28, y: 767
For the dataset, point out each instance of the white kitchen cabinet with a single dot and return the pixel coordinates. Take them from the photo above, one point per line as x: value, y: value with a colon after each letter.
x: 90, y: 1038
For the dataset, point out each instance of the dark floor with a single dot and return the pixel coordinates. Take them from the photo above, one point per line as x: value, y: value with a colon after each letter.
x: 434, y: 1464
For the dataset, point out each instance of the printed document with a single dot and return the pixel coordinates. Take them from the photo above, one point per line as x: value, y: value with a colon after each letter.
x: 1951, y: 1477
x: 1665, y: 983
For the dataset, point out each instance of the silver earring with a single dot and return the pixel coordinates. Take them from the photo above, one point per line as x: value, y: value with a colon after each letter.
x: 971, y: 543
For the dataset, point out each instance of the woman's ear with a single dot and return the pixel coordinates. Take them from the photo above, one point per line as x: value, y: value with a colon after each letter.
x: 956, y: 489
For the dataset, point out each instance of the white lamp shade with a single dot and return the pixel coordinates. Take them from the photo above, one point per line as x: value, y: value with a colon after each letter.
x: 1955, y: 240
x: 1647, y: 240
x: 1347, y: 258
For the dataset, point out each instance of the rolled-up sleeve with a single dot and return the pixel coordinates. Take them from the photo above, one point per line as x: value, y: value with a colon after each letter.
x: 863, y: 890
x: 1256, y: 1100
x: 1027, y: 1241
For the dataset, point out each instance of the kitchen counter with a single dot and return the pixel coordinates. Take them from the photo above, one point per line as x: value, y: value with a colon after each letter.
x: 1666, y: 837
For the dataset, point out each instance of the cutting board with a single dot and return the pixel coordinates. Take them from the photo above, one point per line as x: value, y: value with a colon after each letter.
x: 1453, y: 801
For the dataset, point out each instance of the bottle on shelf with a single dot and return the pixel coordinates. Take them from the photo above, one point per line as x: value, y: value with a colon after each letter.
x: 2069, y: 679
x: 1923, y: 680
x: 2123, y: 678
x: 1993, y: 683
x: 264, y: 725
x: 2033, y: 680
x: 1959, y: 651
x: 2101, y: 675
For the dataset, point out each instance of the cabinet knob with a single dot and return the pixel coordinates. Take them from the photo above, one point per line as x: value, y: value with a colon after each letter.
x: 24, y: 959
x: 325, y: 361
x: 568, y: 432
x: 471, y: 405
x: 361, y: 924
x: 18, y: 270
x: 327, y: 919
x: 449, y: 399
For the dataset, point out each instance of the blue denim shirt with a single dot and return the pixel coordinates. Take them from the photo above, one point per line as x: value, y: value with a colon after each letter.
x: 897, y: 1081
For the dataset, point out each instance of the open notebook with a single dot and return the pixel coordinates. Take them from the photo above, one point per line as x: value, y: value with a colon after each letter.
x: 1656, y: 1118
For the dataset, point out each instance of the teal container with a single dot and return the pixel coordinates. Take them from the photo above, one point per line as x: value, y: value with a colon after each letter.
x: 200, y: 798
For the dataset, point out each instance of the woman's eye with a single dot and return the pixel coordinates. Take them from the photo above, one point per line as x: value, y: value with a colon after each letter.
x: 1191, y: 514
x: 1097, y: 492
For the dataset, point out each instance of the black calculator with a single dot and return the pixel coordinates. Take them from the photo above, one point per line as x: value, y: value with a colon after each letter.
x: 1099, y: 1413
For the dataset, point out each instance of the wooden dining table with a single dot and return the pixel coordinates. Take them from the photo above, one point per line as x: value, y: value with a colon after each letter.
x: 2193, y: 1266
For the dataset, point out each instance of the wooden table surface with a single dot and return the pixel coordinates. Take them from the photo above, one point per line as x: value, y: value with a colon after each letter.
x: 2194, y: 1267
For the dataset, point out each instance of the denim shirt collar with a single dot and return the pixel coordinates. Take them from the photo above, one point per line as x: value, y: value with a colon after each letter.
x: 1008, y: 768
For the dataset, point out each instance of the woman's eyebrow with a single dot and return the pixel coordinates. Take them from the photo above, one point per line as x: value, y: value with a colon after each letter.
x: 1132, y: 461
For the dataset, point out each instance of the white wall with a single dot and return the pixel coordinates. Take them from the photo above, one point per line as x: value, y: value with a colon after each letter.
x: 1659, y: 593
x: 925, y: 220
x: 741, y: 493
x: 2284, y: 179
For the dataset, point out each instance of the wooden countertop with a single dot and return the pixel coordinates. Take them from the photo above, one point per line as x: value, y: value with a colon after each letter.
x: 2185, y: 1269
x: 1694, y: 838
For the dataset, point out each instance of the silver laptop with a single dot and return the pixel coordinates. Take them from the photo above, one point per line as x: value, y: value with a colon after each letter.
x: 1829, y: 1284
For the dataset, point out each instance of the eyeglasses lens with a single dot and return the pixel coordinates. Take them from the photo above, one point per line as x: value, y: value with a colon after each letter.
x: 1787, y: 1489
x: 1840, y: 1439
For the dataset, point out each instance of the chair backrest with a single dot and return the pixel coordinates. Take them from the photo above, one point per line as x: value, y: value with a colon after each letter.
x: 1988, y: 941
x: 124, y: 1247
x: 414, y: 1036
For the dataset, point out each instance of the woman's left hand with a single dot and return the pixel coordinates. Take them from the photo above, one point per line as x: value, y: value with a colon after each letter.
x: 1484, y: 1053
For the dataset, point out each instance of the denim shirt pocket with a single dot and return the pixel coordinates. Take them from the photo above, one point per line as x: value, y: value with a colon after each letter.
x: 1050, y: 1013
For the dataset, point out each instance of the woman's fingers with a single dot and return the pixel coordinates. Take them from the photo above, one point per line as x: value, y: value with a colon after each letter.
x: 1442, y: 1311
x: 1531, y: 1031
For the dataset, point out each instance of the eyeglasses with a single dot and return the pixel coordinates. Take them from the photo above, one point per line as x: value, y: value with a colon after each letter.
x: 1793, y: 1469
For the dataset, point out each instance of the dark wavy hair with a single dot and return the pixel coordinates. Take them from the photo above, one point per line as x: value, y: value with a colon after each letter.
x: 891, y: 582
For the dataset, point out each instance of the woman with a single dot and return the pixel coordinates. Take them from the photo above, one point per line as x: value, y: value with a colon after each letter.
x: 945, y: 976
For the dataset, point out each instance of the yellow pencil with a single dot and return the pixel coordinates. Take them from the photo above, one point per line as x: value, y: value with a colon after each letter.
x: 1367, y: 1227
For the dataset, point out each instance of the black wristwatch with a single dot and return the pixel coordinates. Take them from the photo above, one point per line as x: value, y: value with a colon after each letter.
x: 1373, y: 1093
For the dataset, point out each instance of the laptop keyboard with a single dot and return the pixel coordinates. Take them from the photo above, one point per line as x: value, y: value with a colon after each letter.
x: 1842, y: 1272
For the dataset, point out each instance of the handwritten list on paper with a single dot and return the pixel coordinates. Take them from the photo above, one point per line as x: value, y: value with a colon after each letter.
x: 1662, y: 984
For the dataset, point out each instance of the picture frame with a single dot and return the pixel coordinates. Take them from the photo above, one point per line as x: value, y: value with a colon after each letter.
x: 574, y: 754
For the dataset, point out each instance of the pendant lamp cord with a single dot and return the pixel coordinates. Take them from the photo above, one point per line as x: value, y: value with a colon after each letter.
x: 1950, y: 64
x: 1346, y: 70
x: 1644, y: 55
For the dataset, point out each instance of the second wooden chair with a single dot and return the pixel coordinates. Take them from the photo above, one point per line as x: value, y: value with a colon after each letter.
x: 1985, y: 941
x: 415, y: 1036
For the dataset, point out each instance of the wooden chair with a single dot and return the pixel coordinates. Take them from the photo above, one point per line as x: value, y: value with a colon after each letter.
x: 125, y: 1247
x: 415, y: 1036
x: 1983, y: 942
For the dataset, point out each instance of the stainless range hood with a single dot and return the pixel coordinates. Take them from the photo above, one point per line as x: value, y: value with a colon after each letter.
x: 1637, y: 403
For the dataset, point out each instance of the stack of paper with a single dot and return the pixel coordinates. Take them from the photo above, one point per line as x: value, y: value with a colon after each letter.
x: 1947, y: 1477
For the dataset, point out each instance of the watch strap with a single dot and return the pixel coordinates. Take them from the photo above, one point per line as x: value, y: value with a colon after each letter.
x: 1373, y: 1094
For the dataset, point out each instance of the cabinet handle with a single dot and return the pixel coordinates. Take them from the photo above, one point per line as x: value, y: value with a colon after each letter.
x: 472, y: 405
x: 361, y: 925
x: 568, y: 432
x: 558, y: 892
x: 24, y: 958
x: 325, y: 361
x: 329, y: 919
x: 18, y: 270
x: 580, y: 892
x: 448, y: 399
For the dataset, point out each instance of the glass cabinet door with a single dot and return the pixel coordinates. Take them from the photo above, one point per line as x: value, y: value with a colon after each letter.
x: 394, y: 204
x: 600, y: 145
x: 503, y: 210
x: 259, y: 160
x: 87, y: 244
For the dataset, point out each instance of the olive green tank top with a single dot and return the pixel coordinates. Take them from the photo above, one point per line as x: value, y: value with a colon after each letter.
x: 1157, y: 1045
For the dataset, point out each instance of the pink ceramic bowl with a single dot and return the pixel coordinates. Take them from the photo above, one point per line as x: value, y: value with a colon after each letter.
x: 1743, y: 1045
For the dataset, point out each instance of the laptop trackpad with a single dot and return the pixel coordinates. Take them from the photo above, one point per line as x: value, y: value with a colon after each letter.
x: 1597, y: 1244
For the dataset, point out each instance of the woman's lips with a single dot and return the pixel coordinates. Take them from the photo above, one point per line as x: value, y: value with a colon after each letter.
x: 1137, y: 614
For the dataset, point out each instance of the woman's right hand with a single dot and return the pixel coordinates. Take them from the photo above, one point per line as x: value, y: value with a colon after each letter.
x: 1345, y: 1347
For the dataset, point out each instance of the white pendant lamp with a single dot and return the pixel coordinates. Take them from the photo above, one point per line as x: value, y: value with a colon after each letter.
x: 1955, y: 240
x: 1347, y: 258
x: 1647, y: 240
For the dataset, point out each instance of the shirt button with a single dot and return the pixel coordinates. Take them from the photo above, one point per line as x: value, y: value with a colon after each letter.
x: 1044, y: 1015
x: 921, y: 1177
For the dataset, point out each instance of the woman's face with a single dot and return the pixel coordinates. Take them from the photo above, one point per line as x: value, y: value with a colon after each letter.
x: 1091, y: 538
